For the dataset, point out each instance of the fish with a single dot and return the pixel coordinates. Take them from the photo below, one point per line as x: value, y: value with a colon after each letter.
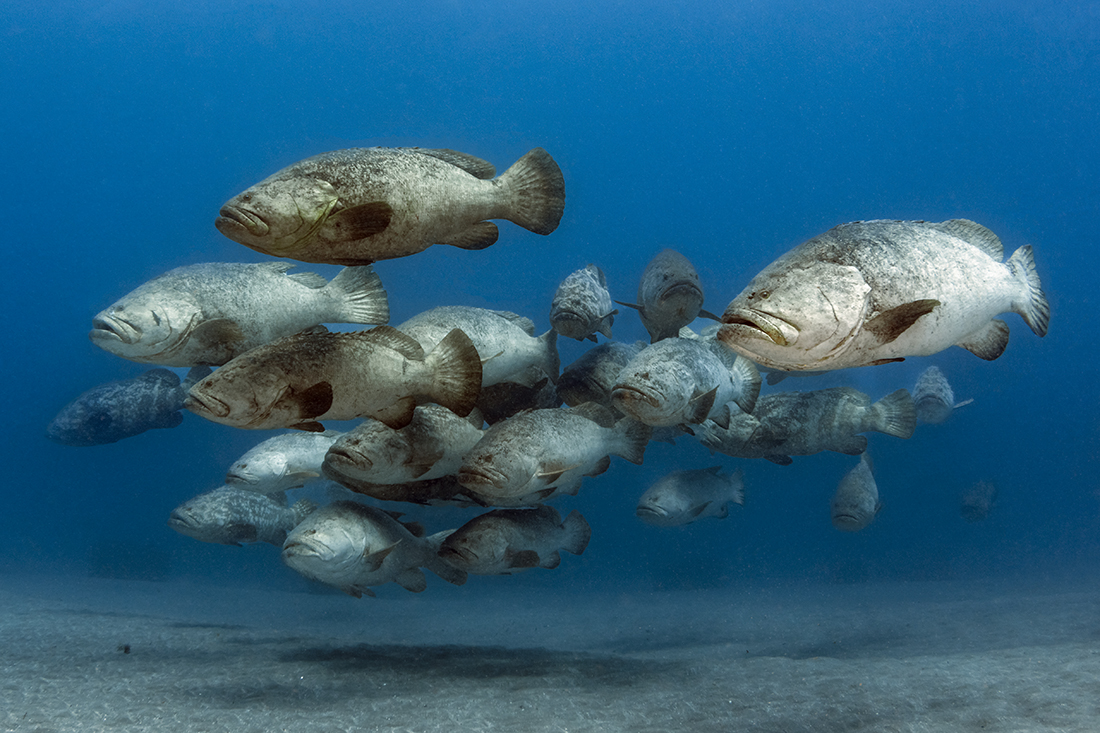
x: 582, y: 305
x: 353, y: 547
x: 978, y: 501
x: 287, y: 461
x: 502, y: 400
x: 361, y: 205
x: 679, y: 380
x: 855, y: 503
x: 591, y: 378
x: 110, y: 412
x: 508, y: 541
x: 875, y: 292
x: 210, y: 313
x: 505, y: 340
x: 430, y: 446
x: 934, y: 398
x: 299, y: 380
x: 442, y: 491
x: 670, y: 295
x: 681, y: 497
x: 804, y: 423
x: 231, y: 516
x: 536, y: 455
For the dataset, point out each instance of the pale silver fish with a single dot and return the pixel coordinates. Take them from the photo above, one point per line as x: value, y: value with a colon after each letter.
x: 296, y: 381
x: 210, y: 313
x: 933, y: 397
x: 430, y: 446
x: 678, y: 380
x: 670, y: 295
x: 507, y: 541
x: 353, y: 546
x: 231, y: 515
x: 112, y: 411
x: 582, y: 305
x: 681, y: 497
x: 591, y: 378
x: 535, y: 455
x: 804, y: 423
x: 978, y: 501
x: 878, y: 291
x: 287, y: 461
x: 855, y: 503
x: 350, y: 207
x: 504, y: 340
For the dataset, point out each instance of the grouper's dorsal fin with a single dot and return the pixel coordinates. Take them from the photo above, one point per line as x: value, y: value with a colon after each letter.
x: 975, y: 234
x: 473, y: 165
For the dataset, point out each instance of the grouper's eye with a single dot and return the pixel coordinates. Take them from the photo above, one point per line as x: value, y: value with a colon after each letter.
x: 761, y: 294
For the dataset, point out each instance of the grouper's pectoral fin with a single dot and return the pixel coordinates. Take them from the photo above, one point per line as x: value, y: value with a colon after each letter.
x: 888, y: 325
x: 357, y: 222
x: 479, y: 236
x: 990, y: 342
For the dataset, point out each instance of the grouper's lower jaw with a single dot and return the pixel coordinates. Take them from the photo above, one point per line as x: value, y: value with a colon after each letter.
x: 748, y: 324
x: 233, y: 221
x: 113, y: 329
x: 479, y: 480
x: 631, y: 394
x: 206, y: 406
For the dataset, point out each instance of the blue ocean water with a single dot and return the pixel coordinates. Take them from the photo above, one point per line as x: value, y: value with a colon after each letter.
x: 728, y: 131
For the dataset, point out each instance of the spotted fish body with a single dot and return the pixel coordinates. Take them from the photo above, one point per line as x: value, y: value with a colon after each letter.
x: 591, y: 378
x: 682, y: 497
x: 855, y: 503
x: 287, y: 461
x: 582, y: 305
x: 508, y: 541
x: 354, y: 206
x: 670, y: 295
x: 231, y: 516
x: 209, y: 313
x: 933, y: 397
x: 879, y: 291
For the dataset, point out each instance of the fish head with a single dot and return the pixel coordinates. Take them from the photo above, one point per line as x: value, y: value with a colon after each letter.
x: 851, y: 514
x: 497, y: 471
x: 652, y: 393
x: 472, y: 549
x: 145, y: 328
x: 279, y: 215
x: 245, y: 396
x: 370, y: 449
x: 201, y: 517
x: 798, y: 318
x: 571, y: 321
x: 265, y: 469
x: 327, y: 549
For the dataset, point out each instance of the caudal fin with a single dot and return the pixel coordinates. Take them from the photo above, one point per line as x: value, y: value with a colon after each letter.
x: 550, y: 363
x: 633, y: 437
x: 577, y: 533
x: 359, y: 296
x: 737, y: 487
x: 1033, y: 306
x: 894, y: 415
x: 535, y: 191
x: 455, y: 373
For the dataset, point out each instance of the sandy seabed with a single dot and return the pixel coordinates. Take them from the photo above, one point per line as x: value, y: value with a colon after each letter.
x: 81, y: 654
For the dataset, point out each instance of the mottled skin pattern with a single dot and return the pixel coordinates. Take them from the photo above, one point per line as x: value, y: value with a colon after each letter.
x: 830, y: 302
x: 116, y: 410
x: 800, y: 424
x: 505, y: 346
x: 231, y: 515
x: 856, y: 502
x: 670, y: 294
x: 933, y: 396
x: 405, y: 198
x: 430, y: 446
x: 283, y: 462
x: 212, y: 312
x: 353, y: 546
x: 299, y: 380
x: 582, y: 305
x: 507, y: 541
x: 681, y: 497
x: 592, y: 376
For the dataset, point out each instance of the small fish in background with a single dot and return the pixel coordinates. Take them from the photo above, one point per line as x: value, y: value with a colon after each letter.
x: 210, y: 313
x: 353, y: 546
x: 296, y: 381
x: 856, y: 503
x: 874, y: 292
x: 582, y: 305
x: 431, y: 446
x: 508, y: 541
x: 681, y: 497
x: 354, y: 206
x: 535, y: 455
x: 591, y: 378
x: 682, y: 381
x: 505, y: 341
x: 786, y: 424
x: 287, y: 461
x: 670, y: 295
x: 232, y: 516
x: 112, y: 411
x: 934, y: 398
x: 978, y: 501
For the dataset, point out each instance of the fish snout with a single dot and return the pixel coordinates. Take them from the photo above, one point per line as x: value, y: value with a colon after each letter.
x: 625, y: 394
x: 481, y: 477
x: 741, y: 324
x: 344, y: 457
x: 206, y: 405
x: 181, y: 520
x: 107, y: 327
x: 236, y: 220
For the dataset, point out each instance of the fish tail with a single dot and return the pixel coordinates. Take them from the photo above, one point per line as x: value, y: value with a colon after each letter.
x: 633, y: 438
x: 1034, y: 308
x: 534, y: 190
x: 550, y: 362
x: 359, y: 296
x: 303, y: 508
x: 895, y: 414
x: 737, y: 487
x: 441, y: 567
x: 455, y: 369
x: 577, y: 533
x: 749, y: 376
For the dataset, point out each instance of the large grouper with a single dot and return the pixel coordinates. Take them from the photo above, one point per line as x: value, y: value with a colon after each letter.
x: 874, y: 292
x: 355, y: 206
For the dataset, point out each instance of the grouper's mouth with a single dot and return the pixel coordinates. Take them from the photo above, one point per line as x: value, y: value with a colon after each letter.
x: 206, y: 405
x: 106, y: 328
x: 746, y: 323
x: 481, y: 477
x: 629, y: 395
x: 650, y: 512
x: 345, y: 458
x: 684, y: 289
x: 232, y: 220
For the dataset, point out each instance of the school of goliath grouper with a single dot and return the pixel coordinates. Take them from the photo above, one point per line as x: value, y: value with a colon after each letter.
x: 463, y: 406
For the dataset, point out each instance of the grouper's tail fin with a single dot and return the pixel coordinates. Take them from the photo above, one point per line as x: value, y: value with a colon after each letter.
x: 455, y: 373
x: 359, y: 296
x: 577, y: 533
x: 1033, y: 306
x: 535, y: 191
x: 895, y: 414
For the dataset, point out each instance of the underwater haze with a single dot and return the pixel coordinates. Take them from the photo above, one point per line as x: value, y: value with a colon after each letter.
x: 729, y: 131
